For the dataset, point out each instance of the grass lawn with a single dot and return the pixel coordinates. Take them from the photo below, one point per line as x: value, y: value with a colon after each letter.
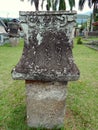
x: 82, y: 98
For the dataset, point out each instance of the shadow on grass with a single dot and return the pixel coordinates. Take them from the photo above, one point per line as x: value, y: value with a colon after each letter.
x: 17, y: 120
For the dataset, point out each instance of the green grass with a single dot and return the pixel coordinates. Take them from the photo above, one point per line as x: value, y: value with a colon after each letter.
x: 82, y: 98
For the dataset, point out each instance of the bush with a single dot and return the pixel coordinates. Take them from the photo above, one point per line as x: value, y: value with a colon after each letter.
x: 79, y: 40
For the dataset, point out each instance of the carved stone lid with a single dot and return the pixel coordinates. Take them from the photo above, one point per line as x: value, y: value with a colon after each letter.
x: 47, y: 53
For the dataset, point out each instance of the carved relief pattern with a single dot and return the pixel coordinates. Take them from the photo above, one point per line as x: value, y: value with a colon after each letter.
x: 47, y: 51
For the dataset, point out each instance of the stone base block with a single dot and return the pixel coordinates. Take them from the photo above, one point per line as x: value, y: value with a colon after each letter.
x: 14, y: 41
x: 45, y: 103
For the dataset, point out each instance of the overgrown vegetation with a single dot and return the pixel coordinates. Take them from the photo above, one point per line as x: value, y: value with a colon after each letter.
x: 82, y: 98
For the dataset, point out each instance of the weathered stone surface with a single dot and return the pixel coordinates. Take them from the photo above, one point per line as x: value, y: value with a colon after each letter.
x: 13, y: 29
x: 45, y: 103
x: 14, y: 41
x: 47, y: 53
x: 47, y: 65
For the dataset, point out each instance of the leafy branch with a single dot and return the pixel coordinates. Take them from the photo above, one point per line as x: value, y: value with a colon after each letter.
x: 53, y: 4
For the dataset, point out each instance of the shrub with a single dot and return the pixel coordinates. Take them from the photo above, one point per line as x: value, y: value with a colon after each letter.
x: 79, y: 40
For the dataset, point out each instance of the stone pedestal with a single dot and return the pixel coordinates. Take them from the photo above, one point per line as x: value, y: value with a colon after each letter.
x: 45, y: 103
x: 47, y: 65
x: 14, y: 41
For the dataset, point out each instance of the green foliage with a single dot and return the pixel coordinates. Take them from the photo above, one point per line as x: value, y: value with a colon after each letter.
x: 79, y: 40
x: 53, y: 4
x: 91, y: 3
x: 84, y: 25
x: 82, y: 3
x: 36, y: 3
x: 49, y: 5
x: 71, y: 3
x: 62, y: 5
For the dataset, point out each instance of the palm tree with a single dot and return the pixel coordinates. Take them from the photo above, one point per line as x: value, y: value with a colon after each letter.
x: 53, y: 4
x: 91, y: 3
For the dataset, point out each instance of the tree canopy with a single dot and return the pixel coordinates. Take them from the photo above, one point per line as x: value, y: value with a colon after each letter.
x: 90, y: 3
x: 53, y: 4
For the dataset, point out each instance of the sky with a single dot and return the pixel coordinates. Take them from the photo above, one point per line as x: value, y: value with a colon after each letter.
x: 11, y: 8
